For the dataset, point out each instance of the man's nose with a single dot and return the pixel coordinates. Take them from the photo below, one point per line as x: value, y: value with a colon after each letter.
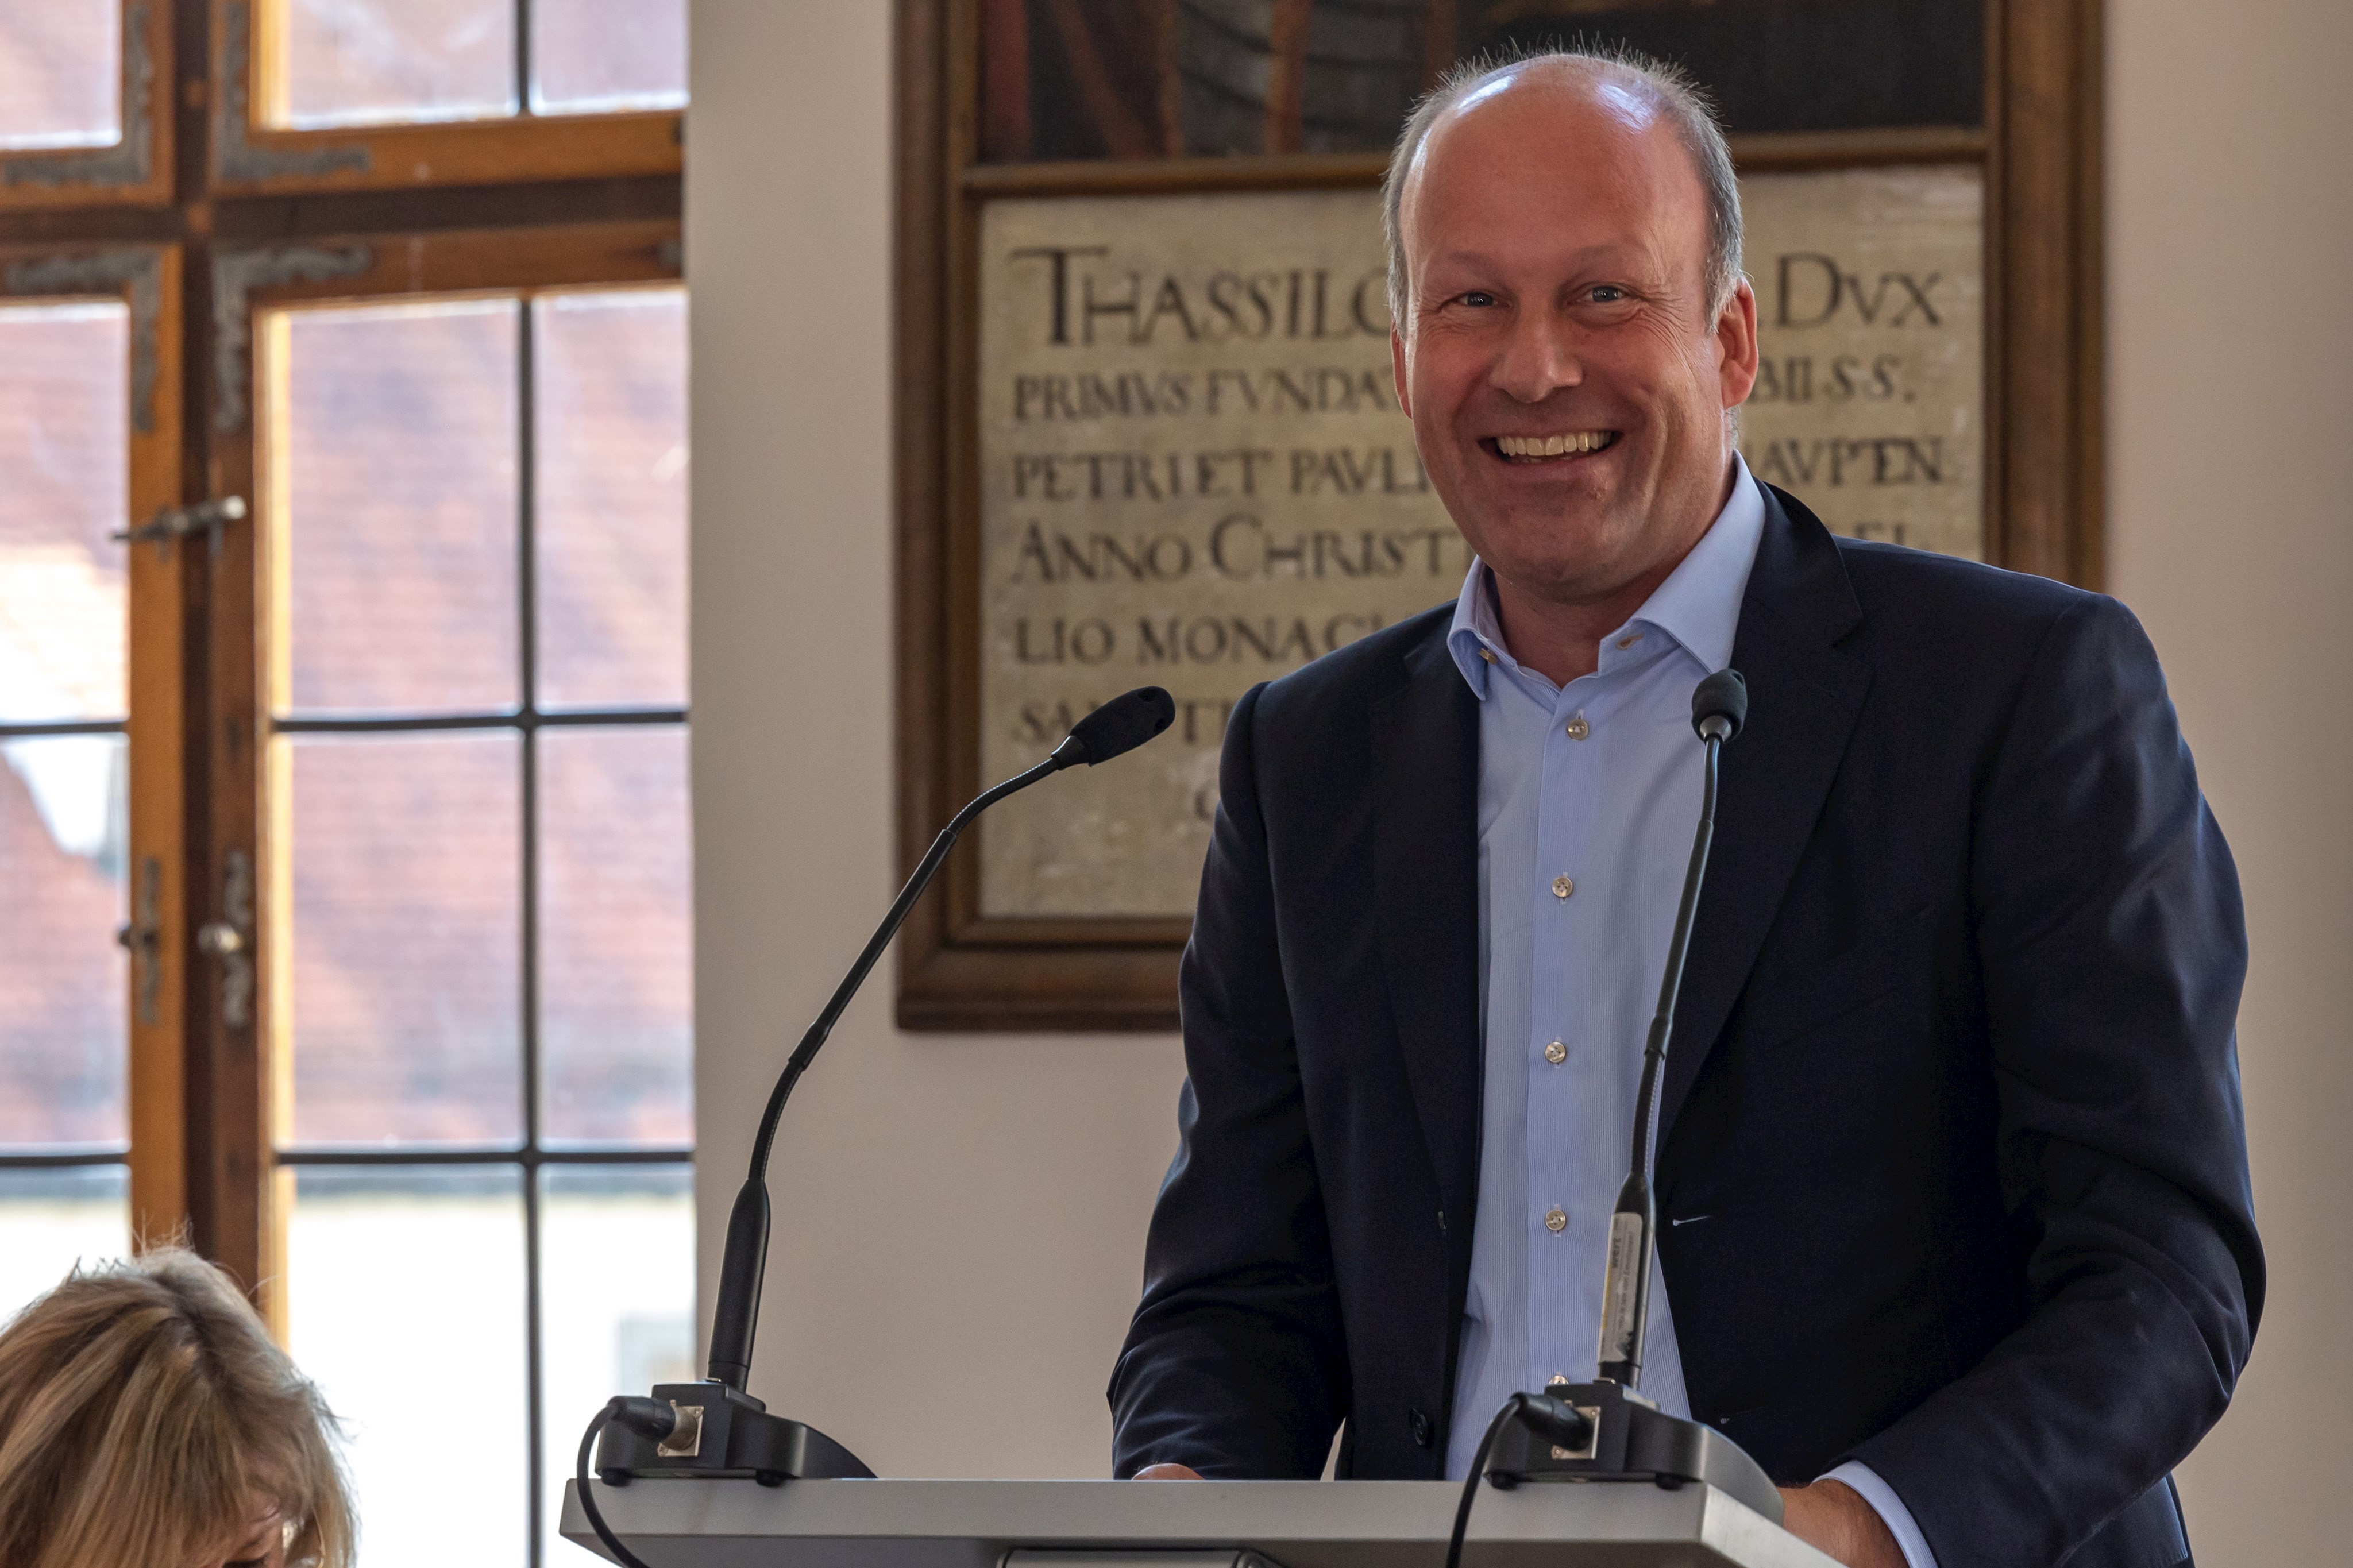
x: 1538, y: 359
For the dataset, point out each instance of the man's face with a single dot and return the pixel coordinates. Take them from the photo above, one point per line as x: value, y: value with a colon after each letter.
x: 1565, y: 379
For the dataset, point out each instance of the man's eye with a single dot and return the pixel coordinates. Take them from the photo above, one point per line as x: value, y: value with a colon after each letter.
x: 1607, y: 294
x: 1478, y: 298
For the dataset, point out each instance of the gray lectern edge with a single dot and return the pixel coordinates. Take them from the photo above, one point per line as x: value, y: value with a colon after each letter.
x: 1296, y: 1524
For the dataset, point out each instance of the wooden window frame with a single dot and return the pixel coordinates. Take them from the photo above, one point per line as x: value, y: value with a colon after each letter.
x: 133, y: 171
x: 251, y: 156
x: 195, y: 218
x: 2039, y: 146
x: 250, y: 1080
x: 146, y: 279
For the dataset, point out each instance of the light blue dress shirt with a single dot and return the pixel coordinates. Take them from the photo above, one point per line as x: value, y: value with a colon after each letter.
x: 1588, y: 797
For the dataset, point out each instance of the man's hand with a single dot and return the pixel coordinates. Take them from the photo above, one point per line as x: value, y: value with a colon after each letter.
x: 1830, y: 1517
x: 1188, y: 1473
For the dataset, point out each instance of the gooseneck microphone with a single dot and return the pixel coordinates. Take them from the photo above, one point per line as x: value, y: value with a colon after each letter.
x: 1117, y: 727
x: 714, y: 1427
x: 1623, y: 1436
x: 1719, y: 707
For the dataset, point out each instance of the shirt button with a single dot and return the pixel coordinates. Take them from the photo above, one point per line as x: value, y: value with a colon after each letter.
x: 1556, y: 1053
x: 1556, y: 1221
x: 1625, y: 642
x: 1562, y: 886
x: 1578, y: 728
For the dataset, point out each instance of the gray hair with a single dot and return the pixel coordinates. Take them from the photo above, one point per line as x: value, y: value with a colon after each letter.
x: 1685, y: 104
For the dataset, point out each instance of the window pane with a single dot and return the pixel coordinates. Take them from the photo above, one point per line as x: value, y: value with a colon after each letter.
x: 408, y: 939
x: 592, y: 55
x: 405, y: 1297
x: 616, y: 937
x: 62, y: 74
x: 611, y: 399
x: 361, y: 62
x: 616, y: 1293
x: 64, y: 824
x: 65, y: 455
x: 52, y: 1220
x: 400, y: 425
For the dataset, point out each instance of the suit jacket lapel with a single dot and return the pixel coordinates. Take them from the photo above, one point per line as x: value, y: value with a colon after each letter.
x: 1804, y: 695
x: 1424, y: 747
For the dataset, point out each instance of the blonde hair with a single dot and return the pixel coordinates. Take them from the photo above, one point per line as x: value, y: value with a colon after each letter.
x: 145, y: 1414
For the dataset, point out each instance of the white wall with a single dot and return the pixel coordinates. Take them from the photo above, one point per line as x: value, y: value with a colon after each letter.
x: 2231, y: 219
x: 959, y: 1219
x: 965, y: 1215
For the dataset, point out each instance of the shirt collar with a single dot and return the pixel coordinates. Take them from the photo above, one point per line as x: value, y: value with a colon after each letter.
x: 1698, y: 606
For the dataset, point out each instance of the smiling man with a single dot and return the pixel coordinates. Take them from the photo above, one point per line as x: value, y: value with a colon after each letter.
x: 1956, y: 1233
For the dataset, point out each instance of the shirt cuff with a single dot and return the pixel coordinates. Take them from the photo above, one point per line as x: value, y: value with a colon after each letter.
x: 1890, y: 1510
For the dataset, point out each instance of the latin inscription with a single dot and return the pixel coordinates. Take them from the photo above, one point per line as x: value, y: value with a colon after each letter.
x: 1870, y: 324
x: 1193, y: 474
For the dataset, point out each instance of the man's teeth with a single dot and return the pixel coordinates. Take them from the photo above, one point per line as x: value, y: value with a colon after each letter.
x: 1552, y: 446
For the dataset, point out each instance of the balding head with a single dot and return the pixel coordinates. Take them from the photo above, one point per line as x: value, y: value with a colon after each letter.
x: 1631, y: 87
x: 1572, y: 334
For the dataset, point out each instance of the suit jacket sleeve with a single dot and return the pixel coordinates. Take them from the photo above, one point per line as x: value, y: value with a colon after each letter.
x: 2112, y: 947
x: 1234, y: 1364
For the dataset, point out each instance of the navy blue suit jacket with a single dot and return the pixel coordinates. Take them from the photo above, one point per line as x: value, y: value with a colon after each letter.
x: 1951, y: 1132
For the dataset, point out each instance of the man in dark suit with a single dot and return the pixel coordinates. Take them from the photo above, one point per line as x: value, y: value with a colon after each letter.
x: 1955, y: 1220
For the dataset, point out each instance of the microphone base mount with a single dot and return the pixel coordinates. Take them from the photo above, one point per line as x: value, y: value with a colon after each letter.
x: 1634, y: 1440
x: 723, y: 1432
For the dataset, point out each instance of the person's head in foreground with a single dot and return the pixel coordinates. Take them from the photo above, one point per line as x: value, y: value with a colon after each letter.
x: 147, y: 1418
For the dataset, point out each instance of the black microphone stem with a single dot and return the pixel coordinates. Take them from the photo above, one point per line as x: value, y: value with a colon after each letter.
x: 1634, y: 1239
x: 735, y: 1312
x: 895, y: 917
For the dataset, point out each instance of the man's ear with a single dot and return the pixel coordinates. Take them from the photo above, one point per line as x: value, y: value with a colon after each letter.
x: 1397, y: 370
x: 1735, y: 344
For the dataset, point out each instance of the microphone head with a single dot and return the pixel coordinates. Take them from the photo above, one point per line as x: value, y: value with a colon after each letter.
x: 1122, y: 724
x: 1720, y: 705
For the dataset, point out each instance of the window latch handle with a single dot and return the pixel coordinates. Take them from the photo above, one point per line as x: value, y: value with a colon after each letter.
x: 142, y: 938
x: 207, y: 517
x: 229, y: 940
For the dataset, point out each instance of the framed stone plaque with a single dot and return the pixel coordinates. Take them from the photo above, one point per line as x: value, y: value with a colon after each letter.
x: 1146, y: 429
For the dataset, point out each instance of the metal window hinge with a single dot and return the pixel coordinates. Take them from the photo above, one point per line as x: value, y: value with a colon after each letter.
x: 142, y: 938
x: 207, y: 517
x: 230, y: 940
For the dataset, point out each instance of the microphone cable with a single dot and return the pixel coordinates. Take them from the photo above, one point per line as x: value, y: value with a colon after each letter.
x: 648, y: 1417
x: 1554, y: 1420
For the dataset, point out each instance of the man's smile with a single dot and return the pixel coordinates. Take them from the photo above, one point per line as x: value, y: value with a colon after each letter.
x: 1565, y: 446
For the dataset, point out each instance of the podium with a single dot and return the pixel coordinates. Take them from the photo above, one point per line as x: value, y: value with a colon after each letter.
x: 731, y: 1523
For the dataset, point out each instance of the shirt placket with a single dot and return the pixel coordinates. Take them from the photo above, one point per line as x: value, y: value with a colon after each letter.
x: 1559, y: 1061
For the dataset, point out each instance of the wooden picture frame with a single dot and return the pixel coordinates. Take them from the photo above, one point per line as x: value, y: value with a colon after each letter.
x: 2039, y: 150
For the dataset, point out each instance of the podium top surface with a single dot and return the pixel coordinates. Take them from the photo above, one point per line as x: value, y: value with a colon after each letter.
x: 1290, y: 1525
